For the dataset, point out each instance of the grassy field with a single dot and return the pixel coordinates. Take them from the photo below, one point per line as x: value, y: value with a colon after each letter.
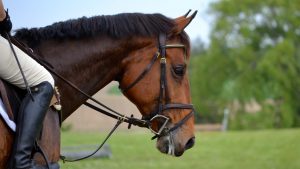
x: 267, y: 149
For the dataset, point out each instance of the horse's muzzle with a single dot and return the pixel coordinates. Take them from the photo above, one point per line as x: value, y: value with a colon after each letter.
x: 169, y: 145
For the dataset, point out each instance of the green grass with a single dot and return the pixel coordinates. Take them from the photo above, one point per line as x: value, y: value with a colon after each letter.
x: 267, y: 149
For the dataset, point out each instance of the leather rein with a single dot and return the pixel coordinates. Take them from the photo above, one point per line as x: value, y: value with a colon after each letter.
x: 145, y: 122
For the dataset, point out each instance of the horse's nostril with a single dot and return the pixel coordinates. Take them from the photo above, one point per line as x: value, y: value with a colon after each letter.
x: 190, y: 143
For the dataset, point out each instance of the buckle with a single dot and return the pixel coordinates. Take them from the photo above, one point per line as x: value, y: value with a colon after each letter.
x: 163, y: 60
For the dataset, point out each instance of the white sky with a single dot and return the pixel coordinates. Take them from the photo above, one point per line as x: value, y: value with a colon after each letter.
x: 39, y: 13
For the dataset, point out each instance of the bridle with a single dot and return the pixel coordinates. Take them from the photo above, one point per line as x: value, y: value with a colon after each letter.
x: 162, y: 105
x: 145, y: 121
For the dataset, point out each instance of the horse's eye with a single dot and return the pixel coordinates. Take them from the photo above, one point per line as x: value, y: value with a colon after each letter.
x: 179, y: 70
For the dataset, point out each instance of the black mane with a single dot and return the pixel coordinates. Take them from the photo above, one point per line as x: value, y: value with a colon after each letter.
x: 117, y: 26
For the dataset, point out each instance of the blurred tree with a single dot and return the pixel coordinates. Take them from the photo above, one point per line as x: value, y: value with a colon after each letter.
x: 198, y: 47
x: 254, y: 55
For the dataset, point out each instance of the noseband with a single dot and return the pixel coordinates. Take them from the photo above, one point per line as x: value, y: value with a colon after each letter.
x: 146, y: 121
x: 162, y: 105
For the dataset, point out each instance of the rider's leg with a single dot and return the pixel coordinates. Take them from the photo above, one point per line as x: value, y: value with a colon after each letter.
x: 29, y: 123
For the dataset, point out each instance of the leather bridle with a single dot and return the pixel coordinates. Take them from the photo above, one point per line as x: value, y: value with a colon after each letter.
x: 145, y: 121
x: 162, y: 105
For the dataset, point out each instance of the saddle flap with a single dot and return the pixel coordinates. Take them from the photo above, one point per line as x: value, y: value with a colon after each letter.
x: 4, y: 97
x: 12, y: 98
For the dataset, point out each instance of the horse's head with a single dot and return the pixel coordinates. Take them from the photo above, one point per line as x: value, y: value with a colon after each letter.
x: 155, y: 79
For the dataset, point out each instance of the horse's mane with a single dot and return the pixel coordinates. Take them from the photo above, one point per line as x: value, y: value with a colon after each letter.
x: 116, y: 26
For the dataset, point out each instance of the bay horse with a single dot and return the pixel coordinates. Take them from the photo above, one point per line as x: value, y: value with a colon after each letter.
x: 147, y: 54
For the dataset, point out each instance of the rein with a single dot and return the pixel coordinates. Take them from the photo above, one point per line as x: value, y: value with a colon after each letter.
x: 118, y: 116
x: 145, y: 122
x: 114, y: 114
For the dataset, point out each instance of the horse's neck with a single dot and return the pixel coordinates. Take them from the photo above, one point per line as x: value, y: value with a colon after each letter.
x: 90, y: 65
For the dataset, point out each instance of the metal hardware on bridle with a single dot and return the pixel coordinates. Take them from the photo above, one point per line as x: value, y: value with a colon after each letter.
x: 163, y: 90
x: 145, y: 122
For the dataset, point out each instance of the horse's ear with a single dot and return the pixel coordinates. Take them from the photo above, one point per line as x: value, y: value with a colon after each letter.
x: 182, y: 22
x: 183, y: 16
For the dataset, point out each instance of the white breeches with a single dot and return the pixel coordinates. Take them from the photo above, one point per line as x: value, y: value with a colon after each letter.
x: 9, y: 70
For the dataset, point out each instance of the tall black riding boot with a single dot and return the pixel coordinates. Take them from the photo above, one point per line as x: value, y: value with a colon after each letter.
x: 30, y: 119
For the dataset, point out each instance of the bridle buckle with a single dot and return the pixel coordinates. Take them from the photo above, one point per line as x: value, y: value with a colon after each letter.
x: 163, y: 60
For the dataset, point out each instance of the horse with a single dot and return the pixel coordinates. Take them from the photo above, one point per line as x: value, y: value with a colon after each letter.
x: 147, y: 54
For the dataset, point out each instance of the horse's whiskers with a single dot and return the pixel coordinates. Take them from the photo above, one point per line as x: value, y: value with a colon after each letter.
x: 171, y: 148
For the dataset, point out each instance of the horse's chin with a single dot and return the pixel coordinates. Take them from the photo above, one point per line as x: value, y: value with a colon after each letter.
x: 166, y: 144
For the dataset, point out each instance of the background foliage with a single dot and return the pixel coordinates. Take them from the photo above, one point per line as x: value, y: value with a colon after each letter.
x: 251, y: 66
